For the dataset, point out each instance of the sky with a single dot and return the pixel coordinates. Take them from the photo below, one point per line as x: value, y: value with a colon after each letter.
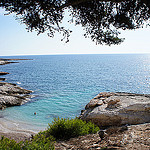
x: 15, y: 40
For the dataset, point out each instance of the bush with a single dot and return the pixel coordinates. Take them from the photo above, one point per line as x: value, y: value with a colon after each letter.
x: 39, y: 142
x: 59, y: 129
x: 68, y: 128
x: 7, y: 144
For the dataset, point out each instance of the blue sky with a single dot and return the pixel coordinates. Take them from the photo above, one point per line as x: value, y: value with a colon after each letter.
x: 15, y: 40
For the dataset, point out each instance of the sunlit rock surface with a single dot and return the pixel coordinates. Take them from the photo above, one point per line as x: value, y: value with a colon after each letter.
x: 111, y: 109
x: 12, y: 95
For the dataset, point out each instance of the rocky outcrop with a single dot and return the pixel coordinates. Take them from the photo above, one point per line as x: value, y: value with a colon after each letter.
x: 12, y: 95
x: 3, y: 73
x: 135, y: 138
x: 4, y: 61
x: 2, y: 79
x: 111, y: 109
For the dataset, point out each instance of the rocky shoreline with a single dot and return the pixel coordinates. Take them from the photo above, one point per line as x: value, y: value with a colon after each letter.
x: 11, y: 94
x: 4, y: 61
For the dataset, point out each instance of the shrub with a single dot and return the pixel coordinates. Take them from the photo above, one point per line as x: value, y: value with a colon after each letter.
x: 7, y: 144
x: 68, y: 128
x: 39, y: 142
x: 59, y: 129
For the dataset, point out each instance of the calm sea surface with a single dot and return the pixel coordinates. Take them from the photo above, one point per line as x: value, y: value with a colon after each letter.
x: 64, y: 84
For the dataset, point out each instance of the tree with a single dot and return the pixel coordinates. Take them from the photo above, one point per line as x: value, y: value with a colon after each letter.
x: 101, y: 19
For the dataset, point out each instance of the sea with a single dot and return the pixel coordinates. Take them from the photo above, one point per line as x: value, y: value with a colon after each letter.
x: 64, y: 84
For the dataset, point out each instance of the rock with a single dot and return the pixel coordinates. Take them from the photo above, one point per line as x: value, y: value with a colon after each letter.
x: 116, y: 109
x: 2, y: 79
x: 113, y: 103
x: 93, y: 103
x: 101, y: 134
x: 4, y: 61
x: 3, y: 73
x: 6, y: 101
x: 98, y: 100
x: 12, y: 95
x: 135, y: 137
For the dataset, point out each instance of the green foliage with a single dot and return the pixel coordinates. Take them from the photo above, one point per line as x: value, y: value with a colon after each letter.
x: 7, y: 144
x: 39, y: 142
x: 68, y: 128
x: 97, y: 17
x: 59, y: 129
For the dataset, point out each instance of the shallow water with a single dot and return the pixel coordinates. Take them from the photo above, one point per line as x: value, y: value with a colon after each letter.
x: 64, y: 84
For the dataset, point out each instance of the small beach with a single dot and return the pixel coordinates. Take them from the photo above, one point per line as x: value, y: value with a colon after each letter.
x: 16, y: 130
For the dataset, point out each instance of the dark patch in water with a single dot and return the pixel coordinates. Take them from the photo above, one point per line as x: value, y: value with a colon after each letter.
x: 1, y: 116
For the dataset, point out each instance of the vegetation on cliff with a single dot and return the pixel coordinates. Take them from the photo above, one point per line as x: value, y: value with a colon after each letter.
x: 68, y: 128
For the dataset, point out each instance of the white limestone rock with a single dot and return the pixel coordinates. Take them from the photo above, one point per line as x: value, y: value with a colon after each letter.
x: 111, y: 109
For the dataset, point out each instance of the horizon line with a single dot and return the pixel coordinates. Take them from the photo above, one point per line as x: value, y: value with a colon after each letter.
x: 75, y: 54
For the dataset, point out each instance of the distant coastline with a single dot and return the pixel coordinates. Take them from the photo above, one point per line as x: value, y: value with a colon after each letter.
x: 4, y: 61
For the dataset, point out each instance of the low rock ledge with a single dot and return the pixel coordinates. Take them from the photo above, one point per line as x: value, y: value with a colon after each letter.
x: 12, y: 95
x: 3, y: 73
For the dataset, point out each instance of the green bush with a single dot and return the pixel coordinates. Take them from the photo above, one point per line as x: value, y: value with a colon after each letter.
x: 7, y: 144
x: 39, y: 142
x: 68, y: 128
x: 59, y: 129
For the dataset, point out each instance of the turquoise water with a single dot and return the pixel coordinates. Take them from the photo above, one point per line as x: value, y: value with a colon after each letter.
x: 64, y: 84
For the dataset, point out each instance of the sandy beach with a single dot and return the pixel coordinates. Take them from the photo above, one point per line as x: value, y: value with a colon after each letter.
x: 15, y: 130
